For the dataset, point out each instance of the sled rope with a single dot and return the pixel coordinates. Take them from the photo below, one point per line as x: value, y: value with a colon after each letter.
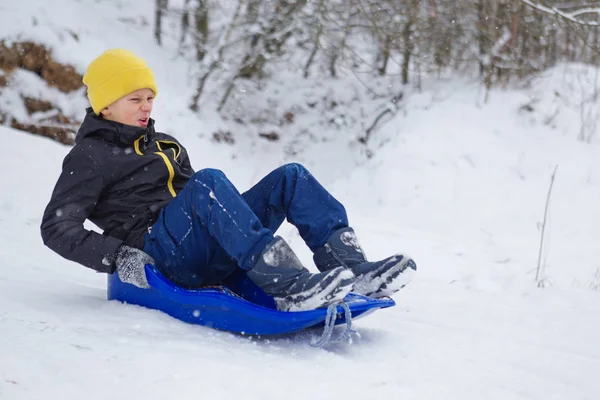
x: 330, y: 323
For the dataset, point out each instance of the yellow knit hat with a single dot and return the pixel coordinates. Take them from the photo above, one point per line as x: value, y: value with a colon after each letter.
x: 114, y: 74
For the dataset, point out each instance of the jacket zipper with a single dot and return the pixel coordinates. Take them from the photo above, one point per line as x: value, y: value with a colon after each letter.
x: 136, y: 147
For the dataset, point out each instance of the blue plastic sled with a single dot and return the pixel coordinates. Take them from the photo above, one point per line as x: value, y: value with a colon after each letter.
x: 239, y: 307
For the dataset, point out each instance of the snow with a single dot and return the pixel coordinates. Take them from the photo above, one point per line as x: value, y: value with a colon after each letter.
x: 457, y: 183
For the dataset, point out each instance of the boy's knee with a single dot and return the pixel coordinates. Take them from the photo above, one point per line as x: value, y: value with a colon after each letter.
x: 210, y: 173
x: 208, y: 178
x: 295, y: 168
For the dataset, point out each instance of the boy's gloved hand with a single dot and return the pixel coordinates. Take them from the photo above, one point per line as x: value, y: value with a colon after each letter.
x: 130, y: 264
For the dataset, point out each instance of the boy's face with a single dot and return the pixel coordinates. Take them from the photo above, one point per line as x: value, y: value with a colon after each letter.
x: 132, y: 109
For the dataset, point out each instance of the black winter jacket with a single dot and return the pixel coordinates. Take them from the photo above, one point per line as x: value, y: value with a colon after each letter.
x: 118, y: 177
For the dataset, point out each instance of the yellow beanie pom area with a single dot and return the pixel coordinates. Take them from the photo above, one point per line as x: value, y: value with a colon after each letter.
x: 114, y: 74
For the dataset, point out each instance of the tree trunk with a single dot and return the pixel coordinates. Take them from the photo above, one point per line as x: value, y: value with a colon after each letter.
x: 338, y: 50
x: 201, y: 17
x: 408, y: 40
x: 595, y: 48
x: 316, y: 45
x: 385, y: 54
x: 161, y: 8
x: 185, y: 24
x: 482, y: 36
x: 210, y: 68
x: 524, y: 38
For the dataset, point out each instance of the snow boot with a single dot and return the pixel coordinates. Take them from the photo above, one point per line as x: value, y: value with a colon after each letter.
x: 279, y: 273
x: 373, y: 279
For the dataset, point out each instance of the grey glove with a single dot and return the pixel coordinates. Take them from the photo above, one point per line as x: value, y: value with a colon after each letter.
x: 130, y: 264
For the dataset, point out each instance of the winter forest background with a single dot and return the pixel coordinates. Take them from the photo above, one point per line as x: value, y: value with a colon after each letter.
x: 463, y: 133
x: 238, y: 46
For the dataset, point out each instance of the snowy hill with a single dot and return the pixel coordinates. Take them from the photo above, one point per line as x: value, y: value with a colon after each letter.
x: 472, y: 326
x: 458, y: 184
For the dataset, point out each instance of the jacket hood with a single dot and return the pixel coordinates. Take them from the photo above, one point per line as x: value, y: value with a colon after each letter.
x: 116, y: 132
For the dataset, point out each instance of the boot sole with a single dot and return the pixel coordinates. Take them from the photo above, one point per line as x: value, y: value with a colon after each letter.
x: 338, y: 283
x: 386, y: 281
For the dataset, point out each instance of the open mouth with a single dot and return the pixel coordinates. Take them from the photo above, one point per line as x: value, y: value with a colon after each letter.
x: 143, y: 121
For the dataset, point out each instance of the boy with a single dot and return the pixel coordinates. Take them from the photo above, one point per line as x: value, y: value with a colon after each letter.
x: 138, y: 186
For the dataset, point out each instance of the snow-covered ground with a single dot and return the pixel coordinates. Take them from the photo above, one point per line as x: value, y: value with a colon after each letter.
x: 460, y: 185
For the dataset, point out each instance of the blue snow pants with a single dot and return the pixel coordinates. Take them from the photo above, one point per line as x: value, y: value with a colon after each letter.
x: 209, y: 230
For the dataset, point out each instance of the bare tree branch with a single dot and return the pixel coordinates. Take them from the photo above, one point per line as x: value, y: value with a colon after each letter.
x: 568, y: 15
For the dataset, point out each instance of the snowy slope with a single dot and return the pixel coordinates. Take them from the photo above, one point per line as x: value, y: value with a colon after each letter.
x: 472, y: 326
x: 460, y: 185
x: 479, y: 176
